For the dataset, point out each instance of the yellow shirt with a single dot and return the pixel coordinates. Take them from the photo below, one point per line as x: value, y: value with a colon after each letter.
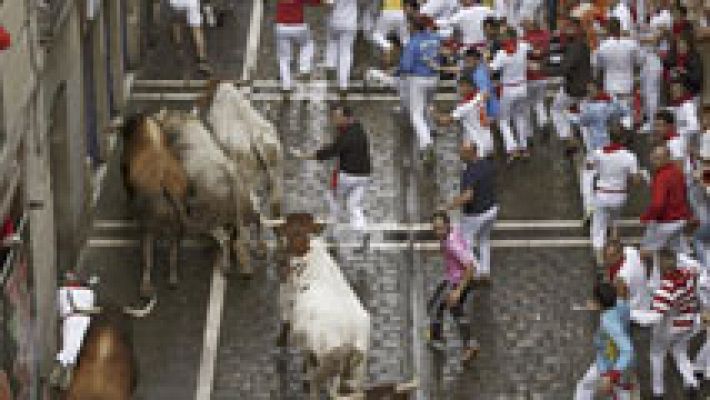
x: 391, y: 4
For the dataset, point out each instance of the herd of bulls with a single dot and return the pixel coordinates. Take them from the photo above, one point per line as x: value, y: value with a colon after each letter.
x: 198, y: 172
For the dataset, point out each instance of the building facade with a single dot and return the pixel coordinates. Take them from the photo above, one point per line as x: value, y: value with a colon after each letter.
x: 63, y: 88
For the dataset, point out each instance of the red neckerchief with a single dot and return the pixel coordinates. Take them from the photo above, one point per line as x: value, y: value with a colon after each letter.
x: 510, y: 46
x: 8, y: 228
x: 336, y: 168
x: 602, y: 96
x: 74, y: 285
x: 614, y: 269
x: 612, y: 147
x: 469, y: 97
x: 681, y: 60
x: 670, y: 134
x: 680, y: 100
x: 679, y: 27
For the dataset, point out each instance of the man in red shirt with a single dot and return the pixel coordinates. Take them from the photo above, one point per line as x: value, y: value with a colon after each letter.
x: 291, y: 28
x: 668, y: 212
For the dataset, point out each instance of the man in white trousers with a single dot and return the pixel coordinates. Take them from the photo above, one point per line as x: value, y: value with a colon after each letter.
x: 193, y: 16
x: 74, y: 297
x: 342, y: 28
x: 650, y: 80
x: 673, y: 315
x: 512, y: 62
x: 292, y: 29
x: 615, y: 167
x: 417, y: 66
x: 391, y: 20
x: 440, y: 10
x: 616, y: 58
x: 469, y: 21
x: 478, y: 203
x: 352, y: 150
x: 471, y: 111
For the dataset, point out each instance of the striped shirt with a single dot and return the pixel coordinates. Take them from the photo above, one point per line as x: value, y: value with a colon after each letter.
x: 677, y: 299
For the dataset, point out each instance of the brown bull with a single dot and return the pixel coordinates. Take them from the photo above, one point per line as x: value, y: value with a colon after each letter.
x: 157, y: 187
x: 106, y: 368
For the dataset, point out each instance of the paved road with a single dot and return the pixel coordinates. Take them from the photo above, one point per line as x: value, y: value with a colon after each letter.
x: 533, y: 345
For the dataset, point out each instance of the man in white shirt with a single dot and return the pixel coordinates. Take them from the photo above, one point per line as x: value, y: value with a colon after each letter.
x: 620, y: 10
x: 616, y: 58
x: 650, y: 77
x: 193, y: 16
x: 469, y: 20
x: 615, y: 166
x: 342, y: 27
x: 471, y: 111
x: 512, y: 62
x: 74, y: 299
x: 624, y: 268
x: 440, y: 10
x: 391, y: 19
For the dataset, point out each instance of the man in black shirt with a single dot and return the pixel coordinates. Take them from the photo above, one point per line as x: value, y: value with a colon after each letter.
x: 478, y: 202
x: 576, y: 70
x: 352, y: 177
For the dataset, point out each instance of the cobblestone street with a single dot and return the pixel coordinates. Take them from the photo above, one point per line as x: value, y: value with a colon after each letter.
x: 533, y: 345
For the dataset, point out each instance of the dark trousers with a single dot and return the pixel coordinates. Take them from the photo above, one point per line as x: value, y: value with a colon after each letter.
x: 436, y: 306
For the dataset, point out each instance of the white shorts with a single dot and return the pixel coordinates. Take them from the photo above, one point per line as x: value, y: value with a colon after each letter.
x: 192, y: 8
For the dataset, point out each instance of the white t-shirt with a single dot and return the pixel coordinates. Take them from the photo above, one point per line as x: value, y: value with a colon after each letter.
x: 623, y: 14
x: 633, y: 273
x: 439, y: 9
x: 71, y: 299
x: 514, y: 66
x: 676, y: 146
x: 470, y: 21
x: 614, y: 168
x: 686, y: 119
x: 616, y: 58
x: 344, y: 15
x: 662, y: 19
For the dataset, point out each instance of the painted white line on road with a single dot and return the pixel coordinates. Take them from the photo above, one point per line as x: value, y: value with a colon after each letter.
x: 210, y: 341
x: 253, y: 38
x: 422, y: 245
x: 268, y: 83
x: 502, y: 225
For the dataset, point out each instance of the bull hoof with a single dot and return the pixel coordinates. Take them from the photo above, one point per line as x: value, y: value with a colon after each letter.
x: 146, y: 292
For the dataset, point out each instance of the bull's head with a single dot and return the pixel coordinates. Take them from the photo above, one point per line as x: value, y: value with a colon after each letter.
x: 295, y: 234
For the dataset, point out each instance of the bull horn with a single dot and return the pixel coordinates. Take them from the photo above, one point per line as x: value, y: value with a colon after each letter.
x: 407, y: 386
x: 141, y: 312
x: 88, y: 311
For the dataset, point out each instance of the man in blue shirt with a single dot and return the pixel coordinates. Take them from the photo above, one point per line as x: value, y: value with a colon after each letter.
x: 614, y: 349
x: 417, y: 67
x: 481, y: 76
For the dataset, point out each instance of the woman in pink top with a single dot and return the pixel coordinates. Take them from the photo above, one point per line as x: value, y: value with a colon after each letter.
x: 459, y: 264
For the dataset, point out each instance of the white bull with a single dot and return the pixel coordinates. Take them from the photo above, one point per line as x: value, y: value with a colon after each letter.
x: 327, y: 320
x: 219, y: 196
